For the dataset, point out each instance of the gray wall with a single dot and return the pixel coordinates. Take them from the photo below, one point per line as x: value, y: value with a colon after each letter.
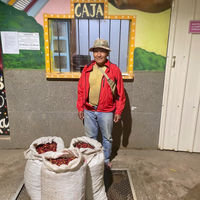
x: 38, y: 107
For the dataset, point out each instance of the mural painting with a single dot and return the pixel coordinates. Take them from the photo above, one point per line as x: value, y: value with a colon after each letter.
x: 150, y: 6
x: 151, y: 31
x: 4, y: 123
x: 152, y: 28
x: 151, y: 35
x: 12, y: 19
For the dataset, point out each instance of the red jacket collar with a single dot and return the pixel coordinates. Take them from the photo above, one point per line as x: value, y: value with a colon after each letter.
x: 90, y: 65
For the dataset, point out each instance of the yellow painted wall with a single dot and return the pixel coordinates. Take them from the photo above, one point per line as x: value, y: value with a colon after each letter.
x: 151, y: 29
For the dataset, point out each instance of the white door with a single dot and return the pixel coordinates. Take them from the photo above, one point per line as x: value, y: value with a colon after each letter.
x: 180, y: 118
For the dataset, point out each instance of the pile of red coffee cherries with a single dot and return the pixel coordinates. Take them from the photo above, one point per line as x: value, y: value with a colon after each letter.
x: 61, y: 160
x: 43, y: 148
x: 83, y: 145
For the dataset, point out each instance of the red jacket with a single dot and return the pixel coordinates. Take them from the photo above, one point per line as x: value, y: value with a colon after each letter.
x: 106, y: 103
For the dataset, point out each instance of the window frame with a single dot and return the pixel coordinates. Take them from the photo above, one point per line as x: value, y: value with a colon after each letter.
x: 61, y: 54
x: 76, y: 75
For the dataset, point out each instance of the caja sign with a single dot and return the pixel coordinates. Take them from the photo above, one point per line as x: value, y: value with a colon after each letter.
x: 89, y: 10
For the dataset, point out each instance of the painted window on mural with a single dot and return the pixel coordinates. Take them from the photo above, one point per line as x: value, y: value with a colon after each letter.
x: 70, y: 40
x: 59, y: 38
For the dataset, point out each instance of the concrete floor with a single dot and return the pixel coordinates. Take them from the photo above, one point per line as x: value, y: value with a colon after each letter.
x: 156, y: 175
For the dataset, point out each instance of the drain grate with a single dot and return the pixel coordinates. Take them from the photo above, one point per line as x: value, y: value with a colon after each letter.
x: 118, y: 185
x: 117, y: 182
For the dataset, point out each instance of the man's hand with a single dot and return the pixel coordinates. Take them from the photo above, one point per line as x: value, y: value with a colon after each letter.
x: 117, y: 117
x: 81, y: 115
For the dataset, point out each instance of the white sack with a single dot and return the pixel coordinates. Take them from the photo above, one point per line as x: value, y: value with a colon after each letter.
x: 64, y: 182
x: 95, y: 188
x: 32, y: 171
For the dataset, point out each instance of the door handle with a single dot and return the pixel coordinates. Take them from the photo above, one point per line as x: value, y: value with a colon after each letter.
x: 173, y: 61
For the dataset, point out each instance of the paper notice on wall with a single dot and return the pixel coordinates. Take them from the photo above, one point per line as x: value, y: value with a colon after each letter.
x: 29, y: 41
x: 9, y: 40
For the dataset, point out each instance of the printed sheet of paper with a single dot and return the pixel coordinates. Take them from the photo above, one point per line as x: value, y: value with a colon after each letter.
x: 29, y: 41
x: 9, y: 40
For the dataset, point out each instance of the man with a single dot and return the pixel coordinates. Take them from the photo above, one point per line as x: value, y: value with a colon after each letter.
x: 96, y: 103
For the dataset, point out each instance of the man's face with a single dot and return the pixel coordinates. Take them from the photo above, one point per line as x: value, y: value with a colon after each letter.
x: 100, y: 56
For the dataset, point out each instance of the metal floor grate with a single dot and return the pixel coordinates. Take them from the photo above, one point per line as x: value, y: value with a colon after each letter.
x: 117, y: 182
x: 23, y: 195
x: 119, y: 185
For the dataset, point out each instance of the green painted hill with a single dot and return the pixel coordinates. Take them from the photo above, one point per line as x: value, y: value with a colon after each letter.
x: 148, y: 61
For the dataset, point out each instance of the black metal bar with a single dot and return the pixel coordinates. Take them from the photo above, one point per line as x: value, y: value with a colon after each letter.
x: 129, y: 31
x: 69, y: 41
x: 88, y: 36
x: 68, y: 24
x: 99, y: 29
x: 109, y: 35
x: 79, y: 46
x: 58, y: 46
x: 119, y: 42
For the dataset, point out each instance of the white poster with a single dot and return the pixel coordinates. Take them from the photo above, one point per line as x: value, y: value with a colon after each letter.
x: 9, y: 40
x: 29, y: 41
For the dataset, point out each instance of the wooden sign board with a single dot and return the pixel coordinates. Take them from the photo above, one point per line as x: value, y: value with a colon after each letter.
x: 89, y: 10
